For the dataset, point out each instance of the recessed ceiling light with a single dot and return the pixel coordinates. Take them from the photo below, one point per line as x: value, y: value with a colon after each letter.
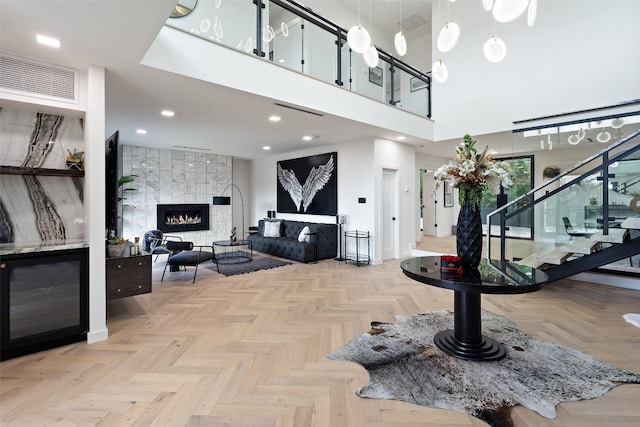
x: 281, y: 61
x: 48, y: 41
x: 401, y: 138
x: 142, y: 131
x: 266, y: 147
x: 307, y: 138
x: 167, y: 113
x: 275, y: 118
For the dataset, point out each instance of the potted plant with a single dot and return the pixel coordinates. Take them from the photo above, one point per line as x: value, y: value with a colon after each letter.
x: 116, y: 246
x: 75, y: 160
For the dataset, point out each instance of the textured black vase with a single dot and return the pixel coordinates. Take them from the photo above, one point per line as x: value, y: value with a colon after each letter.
x: 469, y: 234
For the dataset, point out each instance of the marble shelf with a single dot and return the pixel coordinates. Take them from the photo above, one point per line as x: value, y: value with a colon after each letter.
x: 44, y: 246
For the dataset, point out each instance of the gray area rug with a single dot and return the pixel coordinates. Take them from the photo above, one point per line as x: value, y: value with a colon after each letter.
x: 257, y: 263
x: 404, y: 364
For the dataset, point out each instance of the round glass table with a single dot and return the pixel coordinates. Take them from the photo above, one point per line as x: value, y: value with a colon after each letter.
x: 465, y: 340
x: 232, y: 252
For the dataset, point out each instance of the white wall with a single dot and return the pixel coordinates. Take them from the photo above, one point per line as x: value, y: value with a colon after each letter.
x: 355, y: 180
x: 393, y: 155
x: 578, y: 55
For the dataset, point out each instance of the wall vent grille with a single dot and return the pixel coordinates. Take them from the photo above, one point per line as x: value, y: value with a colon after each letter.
x: 30, y: 77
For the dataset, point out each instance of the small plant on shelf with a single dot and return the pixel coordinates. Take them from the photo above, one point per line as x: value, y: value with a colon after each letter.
x: 75, y: 160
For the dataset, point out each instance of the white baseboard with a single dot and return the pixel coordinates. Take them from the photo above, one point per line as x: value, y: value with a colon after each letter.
x: 97, y: 336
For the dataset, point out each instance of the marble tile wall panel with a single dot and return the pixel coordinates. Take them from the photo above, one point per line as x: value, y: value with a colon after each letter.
x: 39, y: 208
x: 169, y: 176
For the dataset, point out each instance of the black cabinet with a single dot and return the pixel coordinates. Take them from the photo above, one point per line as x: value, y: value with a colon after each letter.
x: 128, y: 276
x: 44, y: 300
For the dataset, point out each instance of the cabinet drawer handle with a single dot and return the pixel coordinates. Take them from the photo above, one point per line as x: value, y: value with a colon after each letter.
x: 119, y: 289
x: 140, y: 263
x: 3, y: 265
x: 119, y: 266
x: 139, y: 286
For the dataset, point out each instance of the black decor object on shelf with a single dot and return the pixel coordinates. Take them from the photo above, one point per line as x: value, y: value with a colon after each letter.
x: 469, y: 234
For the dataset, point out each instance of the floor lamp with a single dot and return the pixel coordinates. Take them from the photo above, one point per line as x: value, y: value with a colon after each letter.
x: 226, y: 201
x: 340, y: 221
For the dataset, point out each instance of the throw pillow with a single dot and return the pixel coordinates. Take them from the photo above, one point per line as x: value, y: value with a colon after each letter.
x: 304, y: 234
x: 272, y: 229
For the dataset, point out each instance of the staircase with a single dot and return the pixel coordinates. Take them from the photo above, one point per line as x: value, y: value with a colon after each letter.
x: 611, y: 232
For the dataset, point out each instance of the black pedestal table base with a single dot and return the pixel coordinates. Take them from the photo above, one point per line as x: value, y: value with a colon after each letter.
x: 466, y: 341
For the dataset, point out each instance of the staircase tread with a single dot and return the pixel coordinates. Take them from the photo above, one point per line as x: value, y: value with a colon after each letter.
x: 581, y: 245
x: 555, y: 257
x: 631, y: 223
x: 616, y: 235
x: 531, y: 261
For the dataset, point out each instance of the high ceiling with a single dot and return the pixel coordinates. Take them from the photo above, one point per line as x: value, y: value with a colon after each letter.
x: 116, y: 34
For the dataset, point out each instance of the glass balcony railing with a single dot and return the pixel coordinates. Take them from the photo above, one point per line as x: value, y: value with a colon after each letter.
x: 593, y: 198
x: 294, y: 37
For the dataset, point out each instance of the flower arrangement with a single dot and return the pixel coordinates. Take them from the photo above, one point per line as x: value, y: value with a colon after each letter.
x: 474, y: 172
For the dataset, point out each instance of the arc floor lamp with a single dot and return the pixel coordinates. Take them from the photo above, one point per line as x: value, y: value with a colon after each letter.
x: 223, y: 200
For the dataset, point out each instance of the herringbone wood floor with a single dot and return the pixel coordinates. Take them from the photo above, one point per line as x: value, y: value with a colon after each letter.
x: 250, y: 350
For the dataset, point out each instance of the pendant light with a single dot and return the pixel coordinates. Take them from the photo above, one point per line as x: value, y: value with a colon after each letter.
x: 509, y: 10
x: 494, y: 49
x: 371, y: 57
x: 370, y: 54
x: 532, y: 12
x: 439, y: 71
x: 488, y: 4
x: 399, y: 41
x: 358, y: 37
x: 449, y: 35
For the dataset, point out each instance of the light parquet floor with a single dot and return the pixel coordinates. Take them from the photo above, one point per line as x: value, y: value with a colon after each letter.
x: 250, y: 350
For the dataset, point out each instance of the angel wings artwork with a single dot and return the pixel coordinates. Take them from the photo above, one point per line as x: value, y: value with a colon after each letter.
x: 318, y: 173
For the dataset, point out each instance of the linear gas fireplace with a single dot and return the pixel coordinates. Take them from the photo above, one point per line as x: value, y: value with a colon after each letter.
x: 183, y: 217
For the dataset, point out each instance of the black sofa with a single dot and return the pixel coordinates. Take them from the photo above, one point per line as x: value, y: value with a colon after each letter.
x: 323, y: 241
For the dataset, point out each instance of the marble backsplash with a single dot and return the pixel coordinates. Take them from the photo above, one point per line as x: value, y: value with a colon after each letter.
x: 36, y: 208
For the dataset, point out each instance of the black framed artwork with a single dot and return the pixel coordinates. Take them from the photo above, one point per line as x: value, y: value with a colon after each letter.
x: 308, y: 185
x: 375, y: 75
x: 417, y: 84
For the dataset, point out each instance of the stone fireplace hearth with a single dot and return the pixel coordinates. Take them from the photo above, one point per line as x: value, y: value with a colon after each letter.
x: 182, y: 217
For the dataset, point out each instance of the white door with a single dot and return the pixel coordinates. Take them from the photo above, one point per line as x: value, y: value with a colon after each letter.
x: 390, y: 223
x: 429, y: 210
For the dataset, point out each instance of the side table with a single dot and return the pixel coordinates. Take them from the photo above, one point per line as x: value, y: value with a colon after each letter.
x: 361, y: 239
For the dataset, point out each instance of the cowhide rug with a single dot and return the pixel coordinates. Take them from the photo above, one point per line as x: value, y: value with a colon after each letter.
x: 404, y: 364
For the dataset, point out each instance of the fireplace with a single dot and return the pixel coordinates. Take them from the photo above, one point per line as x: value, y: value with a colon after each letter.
x: 182, y: 217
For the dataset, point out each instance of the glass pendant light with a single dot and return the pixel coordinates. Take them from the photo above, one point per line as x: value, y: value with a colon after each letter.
x: 400, y: 42
x: 603, y: 136
x: 439, y: 71
x: 574, y: 139
x: 488, y: 4
x: 494, y: 49
x: 358, y: 38
x: 371, y: 57
x: 448, y: 37
x: 617, y: 123
x: 532, y: 12
x: 508, y: 10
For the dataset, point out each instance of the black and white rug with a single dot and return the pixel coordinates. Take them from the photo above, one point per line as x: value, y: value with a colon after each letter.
x: 404, y: 364
x: 258, y: 262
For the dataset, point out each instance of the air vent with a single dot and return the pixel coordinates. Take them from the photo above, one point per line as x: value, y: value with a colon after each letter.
x: 298, y: 109
x: 184, y: 147
x: 27, y: 77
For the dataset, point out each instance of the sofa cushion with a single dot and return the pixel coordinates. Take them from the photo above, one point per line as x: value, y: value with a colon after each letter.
x: 272, y: 229
x: 304, y: 234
